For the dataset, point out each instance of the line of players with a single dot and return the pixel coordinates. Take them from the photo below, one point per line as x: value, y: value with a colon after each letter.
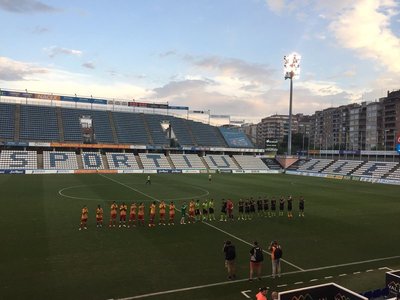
x: 197, y: 211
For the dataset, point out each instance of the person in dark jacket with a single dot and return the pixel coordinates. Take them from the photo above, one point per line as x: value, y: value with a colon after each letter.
x: 230, y: 256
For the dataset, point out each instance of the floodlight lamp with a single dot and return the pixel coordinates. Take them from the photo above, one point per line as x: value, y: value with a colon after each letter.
x: 291, y: 65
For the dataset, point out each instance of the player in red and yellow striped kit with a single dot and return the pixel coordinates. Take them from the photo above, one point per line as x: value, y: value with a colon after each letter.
x: 141, y: 213
x: 162, y: 207
x: 113, y: 214
x: 132, y: 215
x: 99, y: 216
x: 122, y: 214
x: 84, y: 217
x: 152, y: 214
x: 171, y: 213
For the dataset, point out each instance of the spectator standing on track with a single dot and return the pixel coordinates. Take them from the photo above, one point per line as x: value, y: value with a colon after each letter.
x: 276, y: 255
x: 230, y: 256
x: 256, y: 259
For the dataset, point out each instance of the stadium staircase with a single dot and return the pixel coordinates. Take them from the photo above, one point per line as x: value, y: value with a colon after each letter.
x: 60, y: 124
x: 146, y: 127
x: 204, y: 162
x: 190, y: 133
x: 236, y: 163
x: 170, y: 162
x: 272, y: 163
x: 355, y: 170
x: 105, y: 162
x: 113, y: 130
x: 297, y: 164
x: 326, y: 167
x: 392, y: 170
x: 220, y: 137
x: 17, y: 121
x: 39, y: 161
x: 79, y: 161
x: 139, y: 162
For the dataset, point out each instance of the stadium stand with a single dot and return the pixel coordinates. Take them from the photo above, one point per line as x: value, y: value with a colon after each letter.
x: 33, y: 119
x: 206, y: 135
x: 122, y: 161
x: 343, y: 167
x: 271, y: 163
x: 187, y: 161
x: 7, y: 121
x: 154, y: 161
x: 130, y: 128
x: 13, y: 159
x: 315, y: 165
x: 157, y: 133
x: 181, y: 131
x: 92, y: 161
x: 395, y: 175
x: 375, y: 169
x: 73, y: 130
x: 216, y: 162
x: 59, y: 160
x: 247, y: 162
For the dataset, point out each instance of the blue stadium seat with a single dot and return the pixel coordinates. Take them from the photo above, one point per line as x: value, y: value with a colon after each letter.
x: 7, y: 121
x: 377, y: 293
x: 33, y: 119
x: 130, y: 128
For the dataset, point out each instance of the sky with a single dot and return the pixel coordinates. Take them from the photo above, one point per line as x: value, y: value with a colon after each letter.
x: 225, y: 56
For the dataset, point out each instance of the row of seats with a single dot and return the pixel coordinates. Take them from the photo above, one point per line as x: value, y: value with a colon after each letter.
x: 373, y: 169
x: 44, y: 123
x: 95, y: 160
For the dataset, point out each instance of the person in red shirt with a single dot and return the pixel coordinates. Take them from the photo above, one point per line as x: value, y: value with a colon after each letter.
x: 141, y: 214
x: 262, y: 294
x: 152, y: 214
x: 229, y: 208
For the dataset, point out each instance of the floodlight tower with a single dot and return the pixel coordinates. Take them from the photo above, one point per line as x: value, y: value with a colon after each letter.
x: 291, y: 65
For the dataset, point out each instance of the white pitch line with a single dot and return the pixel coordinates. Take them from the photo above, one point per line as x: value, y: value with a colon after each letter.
x: 299, y: 282
x: 370, y: 270
x: 328, y: 277
x: 341, y: 275
x: 204, y: 222
x: 386, y: 268
x: 312, y: 280
x: 281, y: 285
x: 355, y: 273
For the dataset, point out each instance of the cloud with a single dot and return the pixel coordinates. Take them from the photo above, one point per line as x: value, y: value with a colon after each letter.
x: 89, y: 65
x: 168, y: 53
x: 277, y: 6
x: 25, y: 6
x: 365, y: 28
x: 11, y: 70
x: 55, y: 50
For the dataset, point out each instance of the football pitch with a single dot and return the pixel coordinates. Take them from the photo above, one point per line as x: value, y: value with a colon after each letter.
x: 349, y: 235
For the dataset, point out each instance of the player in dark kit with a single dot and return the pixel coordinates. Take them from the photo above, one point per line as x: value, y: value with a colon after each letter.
x: 281, y: 206
x: 266, y: 207
x: 241, y: 209
x: 247, y: 210
x: 273, y: 207
x: 301, y: 206
x: 252, y: 207
x: 289, y: 207
x: 223, y: 210
x: 259, y: 206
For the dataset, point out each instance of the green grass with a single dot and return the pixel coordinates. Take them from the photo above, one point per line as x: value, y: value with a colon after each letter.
x: 44, y: 256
